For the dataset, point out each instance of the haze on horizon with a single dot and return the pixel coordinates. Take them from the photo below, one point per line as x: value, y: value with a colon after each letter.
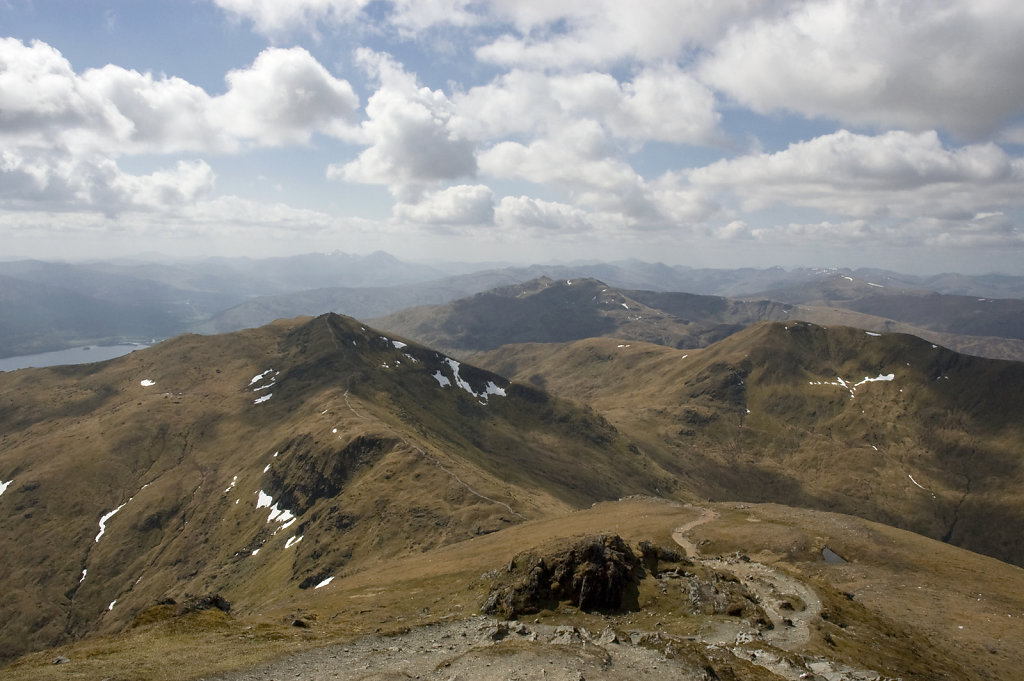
x: 792, y: 132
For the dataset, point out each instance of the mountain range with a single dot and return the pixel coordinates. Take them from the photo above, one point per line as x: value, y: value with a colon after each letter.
x: 213, y: 502
x: 49, y: 306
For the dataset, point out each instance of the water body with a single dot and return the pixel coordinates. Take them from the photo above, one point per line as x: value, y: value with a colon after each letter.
x: 82, y: 355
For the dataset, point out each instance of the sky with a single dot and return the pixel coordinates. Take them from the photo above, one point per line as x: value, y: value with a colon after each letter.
x: 708, y: 133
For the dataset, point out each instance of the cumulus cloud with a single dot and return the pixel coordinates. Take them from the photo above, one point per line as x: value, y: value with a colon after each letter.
x: 952, y: 63
x: 575, y: 34
x: 660, y: 103
x: 529, y: 213
x: 412, y: 142
x: 284, y: 97
x: 63, y: 182
x: 458, y: 205
x: 897, y: 173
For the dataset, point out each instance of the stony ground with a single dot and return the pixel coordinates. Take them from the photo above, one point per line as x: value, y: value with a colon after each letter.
x: 490, y: 649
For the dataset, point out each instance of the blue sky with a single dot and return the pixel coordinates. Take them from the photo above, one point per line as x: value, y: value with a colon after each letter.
x: 723, y: 134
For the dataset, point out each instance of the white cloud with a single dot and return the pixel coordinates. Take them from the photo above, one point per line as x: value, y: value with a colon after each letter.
x: 897, y: 173
x: 62, y: 182
x: 660, y: 103
x: 575, y: 33
x: 950, y: 63
x: 284, y: 97
x: 458, y: 205
x: 413, y: 143
x: 275, y: 18
x: 414, y: 16
x: 529, y: 213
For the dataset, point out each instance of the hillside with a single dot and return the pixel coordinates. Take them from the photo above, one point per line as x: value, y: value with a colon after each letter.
x: 258, y: 463
x: 315, y: 499
x: 548, y: 311
x: 887, y: 427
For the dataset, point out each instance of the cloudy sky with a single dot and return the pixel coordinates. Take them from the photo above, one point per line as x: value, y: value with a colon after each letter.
x: 700, y: 132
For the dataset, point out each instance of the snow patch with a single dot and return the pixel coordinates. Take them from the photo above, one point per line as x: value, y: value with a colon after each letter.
x: 916, y: 482
x: 112, y: 604
x: 399, y: 344
x: 875, y: 285
x: 872, y: 333
x: 624, y: 305
x: 234, y: 481
x: 5, y: 485
x: 442, y: 379
x: 106, y: 517
x: 280, y: 515
x: 145, y: 383
x: 85, y: 571
x: 325, y: 582
x: 259, y: 377
x: 292, y: 542
x: 261, y: 400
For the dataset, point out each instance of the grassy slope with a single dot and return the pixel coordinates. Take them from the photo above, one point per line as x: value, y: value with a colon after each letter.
x: 359, y: 441
x: 880, y: 608
x: 946, y: 419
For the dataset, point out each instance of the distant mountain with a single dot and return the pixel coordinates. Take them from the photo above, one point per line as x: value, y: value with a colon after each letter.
x: 50, y: 306
x: 983, y: 326
x: 885, y: 426
x: 552, y: 311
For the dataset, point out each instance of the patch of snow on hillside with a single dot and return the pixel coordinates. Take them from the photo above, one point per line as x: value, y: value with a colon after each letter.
x: 879, y: 377
x: 493, y: 389
x: 266, y: 468
x: 105, y: 518
x: 234, y: 481
x: 145, y: 383
x: 259, y: 377
x: 875, y: 285
x: 84, y: 573
x: 847, y: 278
x: 255, y: 551
x: 399, y: 344
x: 872, y: 333
x: 620, y: 345
x: 292, y: 542
x: 840, y: 382
x: 442, y: 379
x: 624, y: 305
x: 325, y: 582
x: 5, y: 485
x: 264, y: 500
x: 112, y: 604
x: 261, y: 400
x: 916, y: 482
x: 490, y: 389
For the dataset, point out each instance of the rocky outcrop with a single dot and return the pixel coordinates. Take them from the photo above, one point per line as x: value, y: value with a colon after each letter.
x: 595, y: 573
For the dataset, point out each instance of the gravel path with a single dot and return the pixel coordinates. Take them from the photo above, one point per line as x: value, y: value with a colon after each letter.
x: 486, y: 649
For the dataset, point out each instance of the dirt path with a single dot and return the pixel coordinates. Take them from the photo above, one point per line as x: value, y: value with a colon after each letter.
x: 789, y: 603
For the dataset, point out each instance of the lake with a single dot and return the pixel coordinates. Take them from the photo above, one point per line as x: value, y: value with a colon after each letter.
x: 82, y: 355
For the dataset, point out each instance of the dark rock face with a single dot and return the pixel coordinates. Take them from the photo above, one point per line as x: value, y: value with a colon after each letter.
x: 595, y: 573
